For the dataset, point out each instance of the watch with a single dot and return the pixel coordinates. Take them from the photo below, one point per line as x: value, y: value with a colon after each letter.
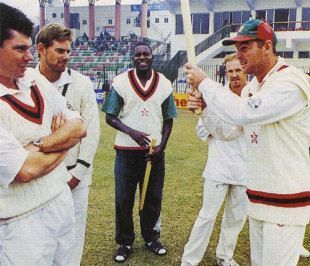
x: 38, y: 143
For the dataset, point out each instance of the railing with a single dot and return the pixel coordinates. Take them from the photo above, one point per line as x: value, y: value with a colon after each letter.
x: 164, y: 53
x: 213, y: 39
x: 157, y: 31
x: 180, y: 85
x: 170, y: 69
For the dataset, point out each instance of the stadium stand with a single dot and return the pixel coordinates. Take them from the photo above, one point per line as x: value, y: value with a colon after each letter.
x: 102, y: 57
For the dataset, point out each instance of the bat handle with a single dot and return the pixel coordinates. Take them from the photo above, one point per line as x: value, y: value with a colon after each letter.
x: 197, y: 111
x: 146, y: 176
x: 194, y: 92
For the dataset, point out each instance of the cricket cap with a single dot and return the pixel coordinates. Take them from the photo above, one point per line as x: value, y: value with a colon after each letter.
x: 253, y: 30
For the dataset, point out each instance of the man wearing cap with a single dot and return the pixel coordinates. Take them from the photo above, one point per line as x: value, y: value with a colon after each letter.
x: 225, y: 178
x: 275, y: 117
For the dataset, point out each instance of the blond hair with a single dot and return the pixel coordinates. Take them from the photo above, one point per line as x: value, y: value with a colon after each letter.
x: 230, y: 57
x: 51, y: 32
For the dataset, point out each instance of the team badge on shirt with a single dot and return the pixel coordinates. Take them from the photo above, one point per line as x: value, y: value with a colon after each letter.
x: 144, y: 112
x: 70, y: 107
x: 254, y: 102
x: 254, y: 138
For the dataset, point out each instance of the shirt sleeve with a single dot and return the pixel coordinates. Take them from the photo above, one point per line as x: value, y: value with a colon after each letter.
x: 201, y: 131
x: 168, y: 108
x: 113, y: 103
x: 89, y: 144
x: 12, y: 157
x: 218, y: 128
x: 282, y: 100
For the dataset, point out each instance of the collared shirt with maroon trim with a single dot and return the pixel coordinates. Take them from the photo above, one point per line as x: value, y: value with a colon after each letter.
x: 27, y: 99
x: 276, y: 123
x: 140, y: 107
x: 12, y: 157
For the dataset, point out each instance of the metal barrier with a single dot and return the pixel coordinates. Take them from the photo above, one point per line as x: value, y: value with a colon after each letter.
x: 170, y: 69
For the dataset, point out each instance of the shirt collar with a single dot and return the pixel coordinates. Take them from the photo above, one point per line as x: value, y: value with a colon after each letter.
x: 254, y: 82
x: 23, y: 84
x: 65, y: 77
x: 147, y: 82
x: 280, y: 63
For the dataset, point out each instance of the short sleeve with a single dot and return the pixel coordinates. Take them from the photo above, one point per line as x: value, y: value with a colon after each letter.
x: 168, y: 108
x: 113, y: 103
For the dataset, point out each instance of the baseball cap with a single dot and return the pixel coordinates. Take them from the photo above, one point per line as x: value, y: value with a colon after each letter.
x: 255, y: 29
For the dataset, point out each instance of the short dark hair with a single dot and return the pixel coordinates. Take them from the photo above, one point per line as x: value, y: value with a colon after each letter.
x: 13, y: 19
x: 140, y: 44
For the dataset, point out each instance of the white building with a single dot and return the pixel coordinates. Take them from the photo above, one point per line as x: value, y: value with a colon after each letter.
x: 159, y: 21
x: 289, y: 18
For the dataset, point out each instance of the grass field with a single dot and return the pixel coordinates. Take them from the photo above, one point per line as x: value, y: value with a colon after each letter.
x: 185, y: 160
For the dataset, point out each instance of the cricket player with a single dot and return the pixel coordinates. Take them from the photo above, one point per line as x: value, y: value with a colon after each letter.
x: 275, y: 116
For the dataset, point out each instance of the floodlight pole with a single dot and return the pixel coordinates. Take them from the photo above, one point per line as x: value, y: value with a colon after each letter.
x: 42, y: 12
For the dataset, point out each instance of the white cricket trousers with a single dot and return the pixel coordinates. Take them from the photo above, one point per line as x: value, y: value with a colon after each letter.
x: 232, y: 222
x: 275, y: 244
x: 43, y: 238
x: 80, y: 198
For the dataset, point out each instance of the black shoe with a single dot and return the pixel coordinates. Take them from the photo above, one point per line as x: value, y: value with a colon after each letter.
x: 156, y: 247
x: 122, y: 253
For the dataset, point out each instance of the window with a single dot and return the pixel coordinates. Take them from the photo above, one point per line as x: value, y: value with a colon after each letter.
x: 304, y: 54
x: 288, y: 54
x: 281, y: 19
x: 305, y: 17
x: 196, y: 23
x: 235, y: 19
x: 54, y: 15
x: 75, y: 20
x: 156, y: 20
x: 204, y: 24
x: 292, y: 19
x: 166, y: 20
x: 179, y: 24
x: 245, y: 16
x: 84, y: 22
x: 261, y: 14
x: 270, y: 16
x: 62, y: 15
x: 218, y: 21
x: 128, y: 21
x: 110, y: 21
x: 200, y: 23
x: 285, y: 54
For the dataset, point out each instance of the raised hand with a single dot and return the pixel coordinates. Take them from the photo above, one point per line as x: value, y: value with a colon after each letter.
x: 194, y: 75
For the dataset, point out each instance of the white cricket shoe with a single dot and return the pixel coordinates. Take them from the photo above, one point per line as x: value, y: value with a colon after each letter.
x: 226, y: 262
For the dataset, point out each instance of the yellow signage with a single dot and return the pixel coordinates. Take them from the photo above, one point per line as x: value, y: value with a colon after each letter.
x: 180, y: 100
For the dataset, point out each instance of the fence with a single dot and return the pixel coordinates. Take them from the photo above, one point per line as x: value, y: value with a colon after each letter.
x: 180, y: 85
